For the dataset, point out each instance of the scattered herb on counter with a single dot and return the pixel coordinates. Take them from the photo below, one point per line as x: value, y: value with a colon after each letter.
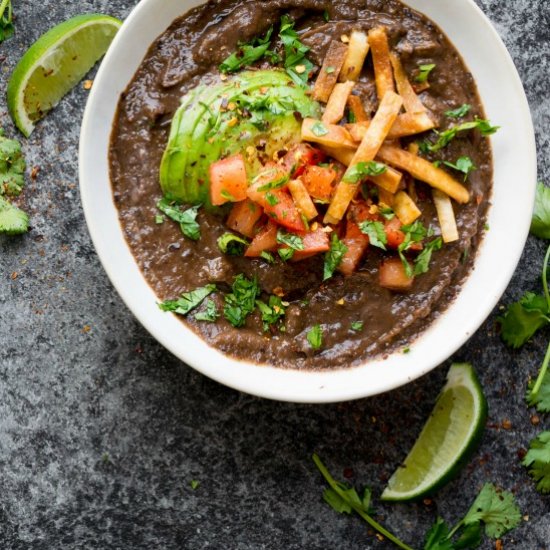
x: 537, y: 460
x: 6, y: 20
x: 210, y: 313
x: 362, y: 170
x: 194, y: 484
x: 445, y: 137
x: 375, y: 232
x: 494, y: 512
x: 315, y: 337
x: 241, y: 302
x: 297, y: 65
x: 334, y: 256
x: 187, y: 218
x: 247, y: 54
x: 540, y: 223
x: 460, y: 112
x: 463, y: 164
x: 424, y: 72
x: 188, y: 300
x: 13, y: 221
x: 272, y: 312
x: 232, y: 245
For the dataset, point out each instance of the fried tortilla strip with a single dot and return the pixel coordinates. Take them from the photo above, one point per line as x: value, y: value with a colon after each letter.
x: 374, y: 138
x: 383, y: 74
x: 326, y: 134
x: 411, y: 102
x: 328, y: 75
x: 446, y: 215
x: 358, y: 50
x: 389, y: 180
x: 385, y: 197
x: 425, y: 171
x: 356, y: 107
x: 405, y: 208
x: 302, y: 199
x: 336, y: 105
x: 406, y: 124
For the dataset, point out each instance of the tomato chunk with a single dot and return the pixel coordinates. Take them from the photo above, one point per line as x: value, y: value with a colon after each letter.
x: 393, y: 233
x: 243, y: 217
x: 228, y: 181
x: 300, y: 156
x: 315, y: 242
x: 361, y: 211
x: 319, y: 181
x: 264, y: 241
x: 357, y: 244
x: 392, y: 275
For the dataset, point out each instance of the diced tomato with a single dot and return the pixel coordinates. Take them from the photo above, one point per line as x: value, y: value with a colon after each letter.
x: 392, y: 275
x: 393, y: 233
x: 264, y: 241
x: 356, y: 243
x: 228, y: 181
x: 319, y: 181
x: 315, y: 242
x: 301, y: 155
x: 243, y: 217
x: 360, y: 211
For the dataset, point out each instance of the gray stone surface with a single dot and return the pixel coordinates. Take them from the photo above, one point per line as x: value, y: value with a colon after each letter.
x: 102, y: 431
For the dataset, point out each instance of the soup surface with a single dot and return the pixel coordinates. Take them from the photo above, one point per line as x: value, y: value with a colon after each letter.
x: 358, y: 319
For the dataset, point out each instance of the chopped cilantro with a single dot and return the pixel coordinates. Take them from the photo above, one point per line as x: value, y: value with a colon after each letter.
x: 294, y: 242
x: 267, y: 256
x: 210, y: 314
x: 330, y: 70
x: 361, y: 170
x: 315, y: 337
x: 537, y: 460
x: 422, y: 261
x: 463, y: 164
x: 271, y: 199
x: 247, y: 54
x: 460, y: 112
x: 424, y: 72
x: 241, y: 302
x: 387, y: 213
x: 326, y: 16
x: 232, y: 245
x: 285, y: 253
x: 445, y: 137
x: 334, y: 256
x: 272, y: 312
x: 194, y: 484
x: 319, y: 129
x: 187, y: 219
x: 357, y: 325
x: 375, y: 232
x: 414, y: 233
x: 188, y: 301
x: 275, y: 184
x: 160, y: 219
x: 295, y: 53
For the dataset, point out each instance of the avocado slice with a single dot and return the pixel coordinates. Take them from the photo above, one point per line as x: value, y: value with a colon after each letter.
x: 229, y: 117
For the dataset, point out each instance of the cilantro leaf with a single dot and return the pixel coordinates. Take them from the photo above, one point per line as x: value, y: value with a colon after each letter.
x: 540, y: 223
x: 414, y: 233
x: 13, y: 221
x: 336, y: 502
x: 497, y: 509
x: 437, y: 537
x: 247, y: 54
x: 357, y: 325
x: 241, y: 302
x: 541, y: 399
x: 361, y: 170
x: 460, y: 112
x: 12, y: 167
x: 470, y: 537
x: 6, y: 20
x: 297, y: 65
x: 334, y: 256
x: 387, y: 213
x: 210, y: 314
x: 231, y: 244
x: 537, y: 460
x: 375, y: 232
x: 522, y: 319
x: 267, y: 256
x: 188, y: 301
x: 187, y: 219
x: 422, y: 262
x: 445, y: 137
x: 463, y: 164
x: 424, y: 72
x: 315, y: 337
x: 271, y: 312
x: 294, y: 242
x: 285, y: 253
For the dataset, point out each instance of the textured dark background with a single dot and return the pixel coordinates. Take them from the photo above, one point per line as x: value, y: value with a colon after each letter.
x: 102, y: 430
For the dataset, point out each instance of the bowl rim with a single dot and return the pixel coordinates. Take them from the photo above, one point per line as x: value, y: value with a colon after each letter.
x: 292, y: 385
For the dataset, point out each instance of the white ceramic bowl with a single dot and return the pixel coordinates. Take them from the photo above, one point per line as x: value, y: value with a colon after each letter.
x: 513, y: 196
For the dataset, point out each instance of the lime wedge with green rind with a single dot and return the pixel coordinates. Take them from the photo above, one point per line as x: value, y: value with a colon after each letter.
x: 54, y: 64
x: 449, y: 437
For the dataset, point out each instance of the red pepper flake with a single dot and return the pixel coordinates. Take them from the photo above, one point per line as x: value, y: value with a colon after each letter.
x: 88, y: 84
x: 14, y: 275
x: 506, y: 424
x: 498, y: 544
x: 535, y: 420
x: 34, y: 172
x: 278, y: 291
x: 348, y: 473
x: 86, y: 329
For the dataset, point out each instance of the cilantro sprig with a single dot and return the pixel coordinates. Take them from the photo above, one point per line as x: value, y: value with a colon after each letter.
x: 537, y: 460
x: 493, y: 513
x: 459, y: 112
x: 188, y: 301
x: 375, y: 232
x: 362, y: 170
x: 297, y: 65
x: 445, y: 137
x: 463, y: 164
x: 187, y: 219
x: 424, y: 73
x: 241, y: 302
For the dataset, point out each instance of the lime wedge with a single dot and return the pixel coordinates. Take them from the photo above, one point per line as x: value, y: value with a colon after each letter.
x: 54, y: 64
x: 449, y: 436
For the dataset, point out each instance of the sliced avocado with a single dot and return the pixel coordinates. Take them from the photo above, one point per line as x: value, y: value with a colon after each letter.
x: 226, y: 118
